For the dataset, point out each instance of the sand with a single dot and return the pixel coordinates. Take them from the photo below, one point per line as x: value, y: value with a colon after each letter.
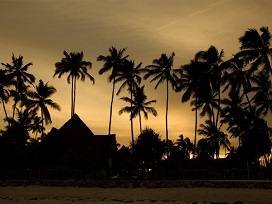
x: 65, y: 195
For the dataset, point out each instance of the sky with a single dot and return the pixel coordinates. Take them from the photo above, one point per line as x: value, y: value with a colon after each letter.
x: 40, y: 30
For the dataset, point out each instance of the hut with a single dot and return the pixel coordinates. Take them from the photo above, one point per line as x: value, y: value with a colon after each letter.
x: 77, y: 147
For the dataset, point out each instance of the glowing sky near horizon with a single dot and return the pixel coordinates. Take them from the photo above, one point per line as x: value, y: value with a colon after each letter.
x: 41, y: 29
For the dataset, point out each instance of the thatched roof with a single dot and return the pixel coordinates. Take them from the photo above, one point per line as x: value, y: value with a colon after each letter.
x: 75, y: 130
x: 83, y: 149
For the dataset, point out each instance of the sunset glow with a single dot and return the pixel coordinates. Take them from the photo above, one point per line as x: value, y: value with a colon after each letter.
x: 41, y: 30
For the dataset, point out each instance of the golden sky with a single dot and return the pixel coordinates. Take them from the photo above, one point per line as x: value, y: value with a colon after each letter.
x: 41, y: 29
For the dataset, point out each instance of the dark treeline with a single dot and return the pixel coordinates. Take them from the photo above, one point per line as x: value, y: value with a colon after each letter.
x: 235, y: 93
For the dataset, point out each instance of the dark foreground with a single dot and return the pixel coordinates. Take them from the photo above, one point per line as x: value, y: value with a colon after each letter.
x: 135, y: 191
x: 181, y: 195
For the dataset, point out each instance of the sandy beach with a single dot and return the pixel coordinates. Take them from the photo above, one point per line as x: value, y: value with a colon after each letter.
x: 60, y: 195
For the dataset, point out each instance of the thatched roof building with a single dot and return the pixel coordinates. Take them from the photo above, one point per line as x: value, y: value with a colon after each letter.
x: 78, y: 146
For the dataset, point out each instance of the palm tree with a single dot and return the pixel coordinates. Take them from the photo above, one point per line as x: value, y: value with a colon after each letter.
x: 195, y: 83
x: 73, y: 64
x: 263, y: 93
x: 252, y: 131
x: 19, y: 128
x: 214, y: 136
x: 236, y: 78
x: 40, y: 100
x: 214, y: 60
x: 185, y: 145
x: 130, y: 76
x: 223, y: 140
x: 204, y: 146
x: 207, y: 103
x: 37, y: 126
x: 161, y: 70
x: 112, y: 62
x: 255, y: 49
x: 17, y: 72
x: 236, y: 116
x: 139, y: 104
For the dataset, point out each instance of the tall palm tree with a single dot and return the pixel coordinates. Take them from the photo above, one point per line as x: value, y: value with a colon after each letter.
x: 255, y: 49
x: 195, y: 83
x: 77, y: 68
x: 112, y: 62
x: 214, y: 59
x: 139, y: 104
x: 17, y: 72
x: 130, y: 76
x: 161, y: 70
x: 40, y: 100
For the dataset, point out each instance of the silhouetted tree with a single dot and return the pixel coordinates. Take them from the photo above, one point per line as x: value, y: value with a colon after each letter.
x: 16, y: 137
x: 148, y: 148
x: 40, y: 100
x: 112, y: 62
x: 262, y: 90
x: 204, y: 147
x: 161, y: 70
x: 37, y: 127
x: 214, y: 59
x: 139, y: 104
x: 233, y: 114
x: 214, y: 136
x: 77, y: 68
x: 130, y: 76
x: 255, y: 49
x: 17, y: 73
x: 236, y: 78
x: 185, y: 145
x: 194, y: 82
x: 246, y: 125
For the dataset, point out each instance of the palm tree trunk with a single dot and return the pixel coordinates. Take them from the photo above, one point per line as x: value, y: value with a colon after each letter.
x: 195, y: 126
x: 268, y: 63
x: 166, y: 118
x: 140, y: 121
x: 74, y: 107
x: 249, y: 104
x: 219, y: 103
x: 111, y: 104
x: 42, y: 123
x: 15, y: 100
x: 247, y: 98
x: 4, y: 107
x: 131, y: 119
x: 72, y: 97
x: 14, y: 105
